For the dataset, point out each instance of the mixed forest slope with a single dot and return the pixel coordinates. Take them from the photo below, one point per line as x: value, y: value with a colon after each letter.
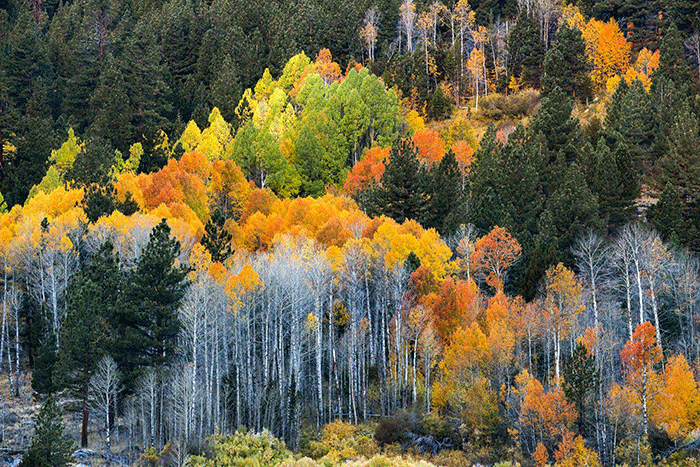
x: 474, y: 222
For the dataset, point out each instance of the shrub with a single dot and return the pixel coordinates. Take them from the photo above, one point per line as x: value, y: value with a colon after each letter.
x: 389, y: 430
x: 244, y: 449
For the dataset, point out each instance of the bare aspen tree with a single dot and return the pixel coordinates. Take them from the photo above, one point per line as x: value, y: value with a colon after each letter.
x: 104, y: 385
x: 693, y: 45
x: 425, y: 25
x: 592, y: 259
x: 657, y: 262
x: 407, y: 19
x: 370, y: 29
x: 464, y: 17
x: 685, y: 289
x: 631, y: 242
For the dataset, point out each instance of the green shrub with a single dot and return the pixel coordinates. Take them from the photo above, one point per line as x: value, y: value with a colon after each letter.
x: 244, y: 450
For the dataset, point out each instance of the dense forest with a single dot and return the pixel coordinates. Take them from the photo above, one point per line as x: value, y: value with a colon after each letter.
x: 466, y: 231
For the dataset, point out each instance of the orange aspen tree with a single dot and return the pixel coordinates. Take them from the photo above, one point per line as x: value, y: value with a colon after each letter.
x: 494, y: 254
x: 639, y: 356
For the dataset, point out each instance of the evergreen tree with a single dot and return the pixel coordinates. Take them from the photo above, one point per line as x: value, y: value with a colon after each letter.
x: 565, y: 64
x: 49, y: 447
x: 553, y: 119
x: 541, y: 258
x: 609, y: 180
x: 402, y: 192
x: 666, y: 216
x: 630, y: 123
x: 44, y: 372
x: 580, y: 380
x: 673, y: 65
x: 446, y: 208
x: 110, y: 110
x: 526, y: 50
x: 94, y: 296
x: 574, y: 209
x: 92, y: 165
x: 98, y: 201
x: 146, y: 325
x: 216, y: 239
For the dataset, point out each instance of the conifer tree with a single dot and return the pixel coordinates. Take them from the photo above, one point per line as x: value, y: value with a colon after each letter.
x: 44, y: 374
x: 216, y: 239
x: 666, y: 216
x: 146, y: 324
x: 49, y: 447
x: 402, y: 193
x: 527, y: 50
x: 447, y: 207
x: 580, y: 379
x: 93, y: 297
x: 565, y: 64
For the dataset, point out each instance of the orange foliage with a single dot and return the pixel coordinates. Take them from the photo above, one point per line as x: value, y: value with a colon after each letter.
x: 421, y: 283
x: 642, y: 352
x: 259, y: 231
x: 368, y: 171
x: 612, y: 54
x: 229, y: 188
x: 430, y: 146
x: 325, y: 67
x: 260, y: 200
x: 541, y: 456
x: 549, y: 412
x: 464, y: 154
x: 333, y: 233
x: 456, y: 305
x: 178, y: 182
x: 493, y: 254
x: 677, y: 408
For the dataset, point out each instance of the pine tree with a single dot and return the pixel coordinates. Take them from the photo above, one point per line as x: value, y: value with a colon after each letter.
x: 527, y: 50
x: 666, y: 216
x: 216, y: 239
x: 574, y: 209
x: 446, y: 206
x: 147, y: 324
x: 565, y: 64
x: 402, y: 193
x: 93, y: 297
x: 580, y: 380
x: 561, y: 131
x: 44, y: 372
x: 673, y: 65
x: 49, y: 448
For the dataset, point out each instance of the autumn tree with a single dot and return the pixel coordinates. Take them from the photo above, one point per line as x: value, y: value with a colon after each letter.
x: 612, y: 54
x: 639, y: 357
x: 676, y: 407
x: 561, y: 306
x: 493, y: 255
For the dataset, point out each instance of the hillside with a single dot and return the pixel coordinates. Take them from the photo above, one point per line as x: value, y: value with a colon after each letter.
x: 443, y: 235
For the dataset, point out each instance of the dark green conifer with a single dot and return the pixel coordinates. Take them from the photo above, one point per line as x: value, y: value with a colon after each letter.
x: 94, y: 296
x: 402, y: 193
x: 216, y: 239
x: 44, y: 372
x: 565, y: 65
x: 526, y: 50
x: 146, y: 325
x: 581, y: 378
x: 49, y: 447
